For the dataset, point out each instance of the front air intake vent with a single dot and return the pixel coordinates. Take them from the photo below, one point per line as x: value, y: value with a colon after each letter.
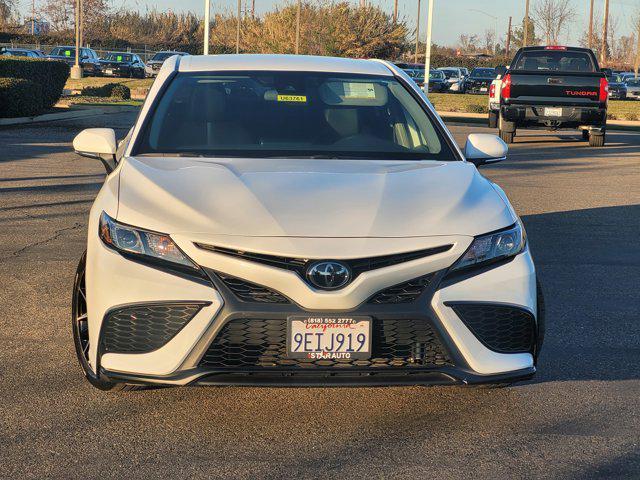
x: 145, y: 327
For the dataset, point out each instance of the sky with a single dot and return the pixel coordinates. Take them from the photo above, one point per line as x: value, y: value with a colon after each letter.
x: 451, y: 17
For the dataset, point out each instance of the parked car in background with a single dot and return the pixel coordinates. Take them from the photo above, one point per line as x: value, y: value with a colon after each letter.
x: 479, y: 81
x: 633, y: 89
x: 455, y: 78
x: 153, y: 66
x: 122, y: 64
x: 88, y: 60
x: 416, y: 74
x: 617, y: 87
x: 437, y: 82
x: 22, y: 52
x: 554, y: 87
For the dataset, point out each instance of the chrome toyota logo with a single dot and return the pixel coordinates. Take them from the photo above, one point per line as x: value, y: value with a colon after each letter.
x: 328, y: 275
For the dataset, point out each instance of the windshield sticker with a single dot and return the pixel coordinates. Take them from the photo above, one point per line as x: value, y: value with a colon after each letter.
x: 359, y: 90
x: 292, y: 98
x: 67, y: 53
x: 119, y: 58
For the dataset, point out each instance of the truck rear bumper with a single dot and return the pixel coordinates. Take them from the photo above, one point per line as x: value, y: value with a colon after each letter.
x: 553, y: 117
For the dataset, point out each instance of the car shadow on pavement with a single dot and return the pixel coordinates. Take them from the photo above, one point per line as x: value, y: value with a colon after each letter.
x: 588, y: 262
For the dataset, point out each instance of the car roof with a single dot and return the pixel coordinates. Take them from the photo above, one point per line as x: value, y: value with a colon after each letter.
x: 295, y: 63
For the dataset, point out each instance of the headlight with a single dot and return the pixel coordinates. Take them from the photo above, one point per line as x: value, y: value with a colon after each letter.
x: 142, y: 243
x: 493, y: 247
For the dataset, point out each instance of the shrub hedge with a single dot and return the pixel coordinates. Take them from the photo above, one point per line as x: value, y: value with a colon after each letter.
x: 113, y: 90
x: 20, y: 98
x: 49, y: 75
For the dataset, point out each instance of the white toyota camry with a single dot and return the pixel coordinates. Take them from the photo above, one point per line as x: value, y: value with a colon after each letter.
x: 297, y: 220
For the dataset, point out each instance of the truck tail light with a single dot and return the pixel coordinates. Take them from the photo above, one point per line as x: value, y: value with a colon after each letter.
x: 555, y: 47
x: 604, y: 90
x: 492, y: 91
x: 506, y: 86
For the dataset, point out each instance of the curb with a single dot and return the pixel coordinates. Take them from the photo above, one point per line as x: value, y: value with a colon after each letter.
x: 78, y: 111
x: 50, y: 117
x: 481, y: 118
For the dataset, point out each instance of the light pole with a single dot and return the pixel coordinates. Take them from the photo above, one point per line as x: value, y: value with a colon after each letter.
x: 207, y: 22
x: 427, y: 55
x: 415, y: 59
x: 76, y: 70
x: 495, y: 26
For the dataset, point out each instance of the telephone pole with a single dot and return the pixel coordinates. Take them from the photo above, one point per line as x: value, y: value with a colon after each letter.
x: 76, y: 70
x: 605, y: 34
x: 508, y: 46
x: 525, y: 35
x: 253, y: 9
x: 207, y: 23
x: 591, y: 26
x: 637, y: 62
x: 238, y: 26
x: 415, y: 59
x: 298, y: 27
x: 395, y: 11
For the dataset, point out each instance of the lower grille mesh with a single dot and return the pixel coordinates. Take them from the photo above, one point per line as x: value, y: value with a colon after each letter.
x: 404, y: 293
x: 262, y: 343
x: 251, y: 292
x: 143, y: 328
x: 501, y: 328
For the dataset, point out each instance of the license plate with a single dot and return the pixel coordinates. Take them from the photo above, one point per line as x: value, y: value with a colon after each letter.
x: 553, y: 112
x: 484, y: 89
x: 109, y: 71
x: 329, y: 337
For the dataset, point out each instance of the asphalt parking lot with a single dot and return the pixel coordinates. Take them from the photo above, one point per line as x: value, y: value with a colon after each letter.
x: 579, y: 418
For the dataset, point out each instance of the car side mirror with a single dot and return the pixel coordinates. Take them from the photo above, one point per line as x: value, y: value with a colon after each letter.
x: 97, y: 143
x: 484, y: 148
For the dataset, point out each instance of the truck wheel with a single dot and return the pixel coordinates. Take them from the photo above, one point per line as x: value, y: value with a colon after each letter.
x: 507, y: 137
x: 493, y: 119
x: 596, y: 140
x: 585, y: 134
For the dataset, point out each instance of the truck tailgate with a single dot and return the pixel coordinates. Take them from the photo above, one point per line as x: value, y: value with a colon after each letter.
x: 559, y: 88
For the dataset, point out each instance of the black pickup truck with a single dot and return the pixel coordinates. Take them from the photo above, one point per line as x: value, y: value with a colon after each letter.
x: 554, y: 87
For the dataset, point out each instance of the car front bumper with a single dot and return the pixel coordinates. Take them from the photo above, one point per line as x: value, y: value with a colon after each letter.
x: 116, y: 282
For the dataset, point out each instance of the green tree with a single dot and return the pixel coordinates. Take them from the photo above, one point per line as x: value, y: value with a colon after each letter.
x: 518, y: 34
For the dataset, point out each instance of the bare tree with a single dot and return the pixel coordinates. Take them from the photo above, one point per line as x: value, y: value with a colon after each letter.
x: 489, y: 41
x: 553, y: 17
x: 6, y: 10
x: 468, y: 43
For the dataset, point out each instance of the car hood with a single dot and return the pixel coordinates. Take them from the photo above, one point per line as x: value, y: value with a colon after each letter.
x: 309, y: 197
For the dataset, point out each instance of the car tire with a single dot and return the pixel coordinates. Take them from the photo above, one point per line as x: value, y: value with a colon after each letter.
x: 585, y: 135
x: 507, y: 137
x: 80, y: 328
x: 597, y: 140
x: 493, y: 119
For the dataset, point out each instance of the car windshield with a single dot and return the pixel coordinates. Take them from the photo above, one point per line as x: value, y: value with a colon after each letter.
x: 633, y: 83
x: 118, y: 57
x: 450, y: 73
x: 18, y: 53
x: 436, y: 75
x: 291, y: 114
x: 483, y: 73
x: 162, y: 56
x: 555, y: 60
x: 64, y: 52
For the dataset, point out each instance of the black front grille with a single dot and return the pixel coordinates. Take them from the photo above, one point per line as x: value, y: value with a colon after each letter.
x: 251, y: 292
x: 143, y: 328
x: 299, y: 265
x: 500, y: 328
x: 406, y: 292
x: 261, y: 343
